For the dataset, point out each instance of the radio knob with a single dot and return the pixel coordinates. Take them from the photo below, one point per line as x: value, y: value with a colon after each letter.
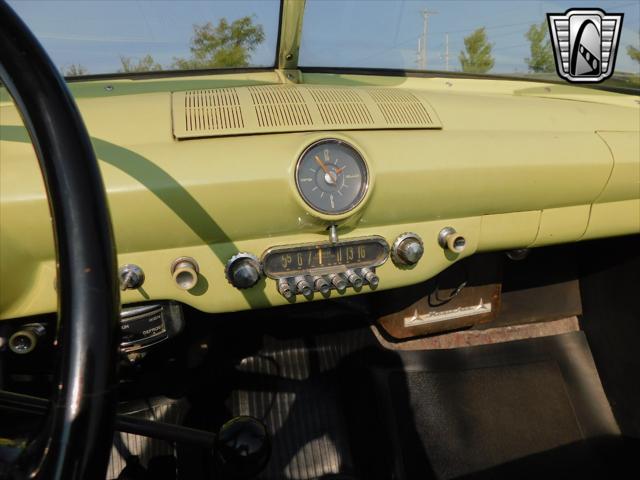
x: 338, y: 282
x: 321, y: 285
x: 371, y: 277
x: 243, y: 270
x: 285, y: 289
x: 354, y: 279
x: 303, y: 287
x: 407, y: 249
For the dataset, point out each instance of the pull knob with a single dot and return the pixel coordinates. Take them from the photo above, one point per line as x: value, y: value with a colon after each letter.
x: 338, y: 282
x: 184, y: 271
x: 243, y: 270
x: 451, y: 240
x: 407, y: 249
x: 131, y: 277
x: 354, y: 279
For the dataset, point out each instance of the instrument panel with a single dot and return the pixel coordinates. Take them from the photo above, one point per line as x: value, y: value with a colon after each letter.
x: 217, y: 203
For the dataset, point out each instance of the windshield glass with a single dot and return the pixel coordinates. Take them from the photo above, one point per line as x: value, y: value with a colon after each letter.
x: 86, y: 37
x: 477, y: 37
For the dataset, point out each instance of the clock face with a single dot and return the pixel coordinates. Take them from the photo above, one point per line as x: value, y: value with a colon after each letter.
x: 332, y: 177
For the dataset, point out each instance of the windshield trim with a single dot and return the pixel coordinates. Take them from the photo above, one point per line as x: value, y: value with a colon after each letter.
x: 166, y: 74
x: 393, y: 72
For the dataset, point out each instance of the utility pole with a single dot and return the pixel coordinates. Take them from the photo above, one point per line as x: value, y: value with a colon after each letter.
x: 446, y: 50
x: 423, y: 42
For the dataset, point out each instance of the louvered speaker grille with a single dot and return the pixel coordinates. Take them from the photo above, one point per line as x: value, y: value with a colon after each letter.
x: 400, y: 107
x: 207, y: 110
x: 276, y: 106
x: 340, y: 106
x: 297, y: 108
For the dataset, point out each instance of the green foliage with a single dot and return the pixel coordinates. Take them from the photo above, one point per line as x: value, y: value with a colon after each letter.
x: 224, y: 45
x: 541, y: 59
x: 144, y: 64
x: 634, y: 53
x: 477, y: 58
x: 75, y: 70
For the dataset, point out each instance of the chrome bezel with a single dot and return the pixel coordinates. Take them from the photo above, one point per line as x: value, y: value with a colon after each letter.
x: 364, y: 191
x: 325, y: 270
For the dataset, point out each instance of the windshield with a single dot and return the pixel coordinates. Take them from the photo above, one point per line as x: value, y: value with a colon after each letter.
x: 100, y: 37
x: 86, y: 37
x: 477, y: 37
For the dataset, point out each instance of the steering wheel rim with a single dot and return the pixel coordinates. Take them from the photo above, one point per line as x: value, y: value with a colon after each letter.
x: 76, y: 438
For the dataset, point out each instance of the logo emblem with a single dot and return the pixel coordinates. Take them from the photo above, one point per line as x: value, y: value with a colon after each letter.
x: 585, y: 43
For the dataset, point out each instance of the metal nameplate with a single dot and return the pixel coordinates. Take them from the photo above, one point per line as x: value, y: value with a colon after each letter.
x: 445, y: 315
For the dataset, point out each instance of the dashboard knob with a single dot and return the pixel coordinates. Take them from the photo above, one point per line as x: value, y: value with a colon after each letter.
x: 131, y: 277
x: 338, y: 282
x: 354, y: 279
x: 451, y: 240
x: 407, y: 249
x: 243, y: 270
x: 184, y: 271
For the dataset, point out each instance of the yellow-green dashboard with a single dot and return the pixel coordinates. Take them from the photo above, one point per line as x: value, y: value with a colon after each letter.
x: 506, y: 164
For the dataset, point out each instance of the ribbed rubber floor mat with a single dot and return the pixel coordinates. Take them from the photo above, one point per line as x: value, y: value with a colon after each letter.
x: 294, y: 387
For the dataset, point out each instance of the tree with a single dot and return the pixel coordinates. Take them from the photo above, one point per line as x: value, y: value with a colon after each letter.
x: 541, y: 59
x: 477, y: 58
x: 75, y: 70
x: 144, y: 64
x: 224, y: 45
x: 634, y: 53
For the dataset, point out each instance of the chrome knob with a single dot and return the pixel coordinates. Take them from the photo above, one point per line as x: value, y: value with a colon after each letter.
x: 354, y: 279
x: 371, y: 277
x: 321, y: 285
x: 338, y: 282
x: 243, y: 270
x: 303, y: 287
x: 131, y: 277
x: 285, y: 289
x: 407, y: 249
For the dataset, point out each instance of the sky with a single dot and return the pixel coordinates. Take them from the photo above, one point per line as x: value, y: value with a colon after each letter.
x: 356, y: 33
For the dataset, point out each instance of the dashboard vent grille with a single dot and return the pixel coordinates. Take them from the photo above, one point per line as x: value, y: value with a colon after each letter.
x: 276, y: 106
x: 339, y: 106
x: 297, y: 108
x: 399, y: 107
x: 207, y: 110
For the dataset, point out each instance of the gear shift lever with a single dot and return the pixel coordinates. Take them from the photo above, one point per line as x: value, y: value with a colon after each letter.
x: 242, y: 448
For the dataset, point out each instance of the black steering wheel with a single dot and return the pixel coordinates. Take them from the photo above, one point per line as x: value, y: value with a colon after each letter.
x: 75, y: 440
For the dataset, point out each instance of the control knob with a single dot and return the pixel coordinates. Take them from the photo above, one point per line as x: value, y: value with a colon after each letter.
x: 243, y: 270
x: 407, y: 249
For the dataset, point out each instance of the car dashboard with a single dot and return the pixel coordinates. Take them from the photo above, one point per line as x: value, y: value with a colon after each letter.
x: 240, y: 191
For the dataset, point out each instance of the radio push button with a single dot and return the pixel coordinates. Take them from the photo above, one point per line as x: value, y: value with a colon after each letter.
x: 354, y: 279
x: 338, y: 282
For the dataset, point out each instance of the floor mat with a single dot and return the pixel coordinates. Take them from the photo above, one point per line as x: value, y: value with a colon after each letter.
x: 477, y: 408
x: 339, y: 406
